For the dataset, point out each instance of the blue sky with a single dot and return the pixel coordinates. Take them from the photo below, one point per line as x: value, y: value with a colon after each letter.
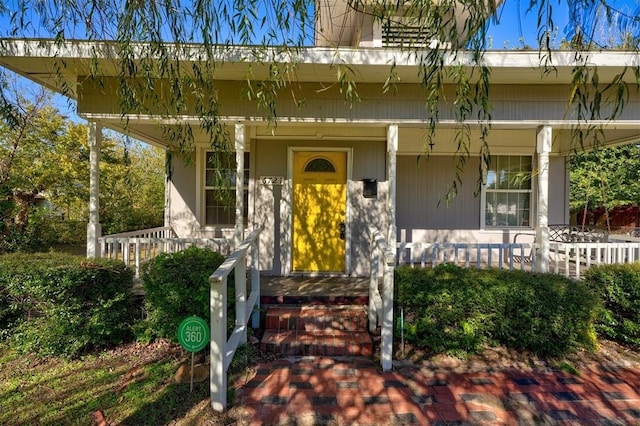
x: 517, y: 27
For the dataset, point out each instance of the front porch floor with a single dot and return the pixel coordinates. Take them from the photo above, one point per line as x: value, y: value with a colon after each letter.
x: 314, y: 290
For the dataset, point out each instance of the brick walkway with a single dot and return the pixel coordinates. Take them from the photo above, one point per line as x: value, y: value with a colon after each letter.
x: 352, y: 391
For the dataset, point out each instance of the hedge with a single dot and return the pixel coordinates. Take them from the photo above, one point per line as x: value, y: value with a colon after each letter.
x: 456, y: 310
x: 55, y: 304
x: 177, y: 286
x: 618, y: 287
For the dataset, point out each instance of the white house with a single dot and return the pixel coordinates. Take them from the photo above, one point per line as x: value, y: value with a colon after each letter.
x: 330, y: 170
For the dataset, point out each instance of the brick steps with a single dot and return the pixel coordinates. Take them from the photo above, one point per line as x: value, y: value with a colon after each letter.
x: 317, y: 330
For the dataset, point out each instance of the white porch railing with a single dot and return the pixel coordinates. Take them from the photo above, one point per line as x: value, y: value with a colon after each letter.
x: 572, y: 259
x: 223, y: 349
x: 381, y: 305
x: 136, y: 247
x: 497, y: 255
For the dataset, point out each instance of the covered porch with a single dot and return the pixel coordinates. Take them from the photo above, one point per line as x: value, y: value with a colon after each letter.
x: 567, y: 258
x: 362, y: 158
x: 379, y: 144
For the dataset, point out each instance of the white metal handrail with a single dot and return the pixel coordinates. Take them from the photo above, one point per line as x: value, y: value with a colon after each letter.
x: 567, y: 258
x: 381, y: 305
x: 223, y: 349
x: 159, y: 232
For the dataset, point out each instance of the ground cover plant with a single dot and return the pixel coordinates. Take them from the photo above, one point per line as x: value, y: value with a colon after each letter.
x: 618, y: 288
x: 55, y: 304
x: 458, y: 311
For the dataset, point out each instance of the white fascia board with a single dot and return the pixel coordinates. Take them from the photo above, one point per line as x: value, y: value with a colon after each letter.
x: 499, y: 124
x: 49, y: 49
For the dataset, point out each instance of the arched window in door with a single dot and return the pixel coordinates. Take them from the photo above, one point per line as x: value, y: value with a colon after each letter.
x: 319, y: 164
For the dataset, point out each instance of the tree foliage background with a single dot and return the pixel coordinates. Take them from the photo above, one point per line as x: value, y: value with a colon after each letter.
x: 275, y: 33
x: 153, y: 39
x: 46, y: 156
x: 605, y: 178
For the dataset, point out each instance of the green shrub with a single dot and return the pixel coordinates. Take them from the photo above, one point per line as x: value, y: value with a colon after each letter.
x: 546, y: 313
x: 65, y: 305
x: 11, y: 310
x: 618, y: 287
x: 176, y: 286
x: 456, y: 310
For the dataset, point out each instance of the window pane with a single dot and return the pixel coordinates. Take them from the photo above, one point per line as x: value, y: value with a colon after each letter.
x: 503, y: 182
x: 507, y: 209
x: 210, y: 179
x: 319, y: 165
x: 512, y: 210
x: 491, y: 179
x: 220, y: 207
x: 219, y: 197
x: 490, y: 209
x: 220, y: 194
x: 221, y: 160
x: 523, y: 209
x: 526, y: 168
x: 508, y: 191
x: 509, y: 172
x: 501, y: 208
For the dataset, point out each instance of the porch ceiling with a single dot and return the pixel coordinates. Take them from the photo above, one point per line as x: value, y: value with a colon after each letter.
x: 150, y: 132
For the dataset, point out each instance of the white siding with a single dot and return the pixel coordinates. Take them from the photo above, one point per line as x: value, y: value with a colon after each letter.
x: 558, y: 191
x: 423, y: 214
x: 182, y: 198
x: 422, y: 211
x: 422, y: 188
x: 528, y: 104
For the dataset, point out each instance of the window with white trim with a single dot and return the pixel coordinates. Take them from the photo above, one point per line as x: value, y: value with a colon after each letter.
x: 508, y: 191
x: 220, y: 200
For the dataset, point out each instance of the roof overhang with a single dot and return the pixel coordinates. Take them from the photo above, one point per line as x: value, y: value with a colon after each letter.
x: 50, y: 64
x: 56, y: 65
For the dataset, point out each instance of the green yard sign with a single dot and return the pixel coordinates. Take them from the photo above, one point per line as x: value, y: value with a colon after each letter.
x: 193, y: 334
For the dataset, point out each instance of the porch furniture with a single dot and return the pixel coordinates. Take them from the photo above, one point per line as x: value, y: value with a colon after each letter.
x: 577, y: 234
x: 530, y: 256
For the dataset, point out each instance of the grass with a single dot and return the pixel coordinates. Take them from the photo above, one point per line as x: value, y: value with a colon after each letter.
x: 132, y: 385
x: 567, y: 367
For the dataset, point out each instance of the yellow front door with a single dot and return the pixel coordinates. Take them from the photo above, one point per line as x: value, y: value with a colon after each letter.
x: 319, y: 211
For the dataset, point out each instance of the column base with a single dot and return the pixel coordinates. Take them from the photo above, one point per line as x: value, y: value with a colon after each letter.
x: 94, y: 231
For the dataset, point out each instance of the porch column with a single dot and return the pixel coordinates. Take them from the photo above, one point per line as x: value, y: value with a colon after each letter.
x: 94, y: 228
x: 392, y: 148
x: 542, y: 223
x: 239, y: 145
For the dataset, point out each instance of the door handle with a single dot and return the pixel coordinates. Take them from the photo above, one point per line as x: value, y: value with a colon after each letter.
x: 343, y: 230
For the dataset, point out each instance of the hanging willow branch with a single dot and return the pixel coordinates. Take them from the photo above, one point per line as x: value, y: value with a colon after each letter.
x: 168, y: 52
